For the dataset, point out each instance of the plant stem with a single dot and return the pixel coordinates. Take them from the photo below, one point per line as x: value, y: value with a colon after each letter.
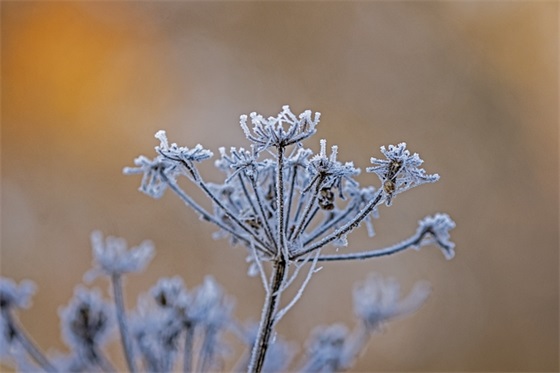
x: 282, y: 250
x: 188, y: 349
x: 121, y: 318
x: 308, y: 207
x: 414, y: 241
x: 269, y: 311
x: 27, y: 343
x: 207, y: 350
x: 102, y: 362
x: 267, y: 229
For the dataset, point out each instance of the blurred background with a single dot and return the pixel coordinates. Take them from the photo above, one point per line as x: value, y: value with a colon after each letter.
x: 471, y: 86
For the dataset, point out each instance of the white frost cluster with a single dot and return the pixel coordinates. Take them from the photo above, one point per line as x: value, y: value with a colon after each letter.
x: 112, y: 256
x: 378, y: 300
x: 438, y: 227
x: 180, y: 153
x: 332, y: 170
x: 13, y: 295
x: 399, y: 171
x: 328, y: 349
x: 86, y: 323
x: 271, y: 132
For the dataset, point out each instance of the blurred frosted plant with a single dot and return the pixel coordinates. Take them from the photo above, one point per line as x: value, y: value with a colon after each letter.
x: 327, y: 349
x: 15, y: 344
x: 112, y: 256
x: 286, y: 205
x: 435, y: 230
x: 378, y: 300
x: 86, y: 323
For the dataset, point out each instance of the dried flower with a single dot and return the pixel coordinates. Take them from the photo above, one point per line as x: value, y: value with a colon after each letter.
x: 281, y: 202
x: 180, y: 153
x: 378, y: 300
x: 271, y: 131
x: 327, y: 349
x: 399, y: 172
x: 156, y: 174
x: 86, y: 323
x: 13, y: 295
x: 330, y: 170
x: 112, y: 256
x: 438, y: 227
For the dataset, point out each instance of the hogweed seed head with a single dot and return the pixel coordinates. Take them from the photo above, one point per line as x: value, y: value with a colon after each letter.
x: 86, y: 323
x: 378, y: 299
x: 180, y: 153
x: 438, y: 227
x: 284, y: 204
x: 328, y: 349
x: 399, y: 171
x: 113, y: 257
x: 283, y: 130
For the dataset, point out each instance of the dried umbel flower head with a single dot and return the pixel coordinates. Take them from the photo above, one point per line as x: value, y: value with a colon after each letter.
x: 378, y: 300
x: 272, y: 131
x: 399, y: 171
x: 285, y: 204
x: 86, y: 323
x: 113, y: 257
x: 14, y: 295
x: 435, y: 230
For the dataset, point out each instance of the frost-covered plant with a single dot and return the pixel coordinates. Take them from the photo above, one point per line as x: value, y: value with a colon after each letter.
x: 285, y: 205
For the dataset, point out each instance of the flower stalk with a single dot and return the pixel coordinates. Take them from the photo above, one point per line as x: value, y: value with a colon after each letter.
x: 121, y: 319
x: 268, y: 315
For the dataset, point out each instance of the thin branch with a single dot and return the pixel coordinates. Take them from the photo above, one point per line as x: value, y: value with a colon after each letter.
x: 267, y: 229
x: 294, y: 275
x: 294, y: 300
x: 310, y: 218
x: 188, y: 348
x: 103, y: 363
x: 411, y: 242
x: 282, y: 249
x: 351, y: 225
x: 261, y: 269
x: 205, y: 215
x: 246, y: 193
x: 197, y: 179
x: 330, y: 223
x: 290, y: 198
x: 207, y: 350
x: 230, y: 215
x: 307, y: 210
x: 300, y: 204
x: 27, y: 343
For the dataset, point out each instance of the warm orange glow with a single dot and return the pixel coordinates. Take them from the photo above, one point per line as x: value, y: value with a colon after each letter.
x: 53, y: 57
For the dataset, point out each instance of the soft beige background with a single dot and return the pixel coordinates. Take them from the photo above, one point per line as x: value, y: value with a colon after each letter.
x: 471, y: 86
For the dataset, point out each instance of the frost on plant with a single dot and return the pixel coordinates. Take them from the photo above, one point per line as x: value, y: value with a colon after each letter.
x: 288, y: 207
